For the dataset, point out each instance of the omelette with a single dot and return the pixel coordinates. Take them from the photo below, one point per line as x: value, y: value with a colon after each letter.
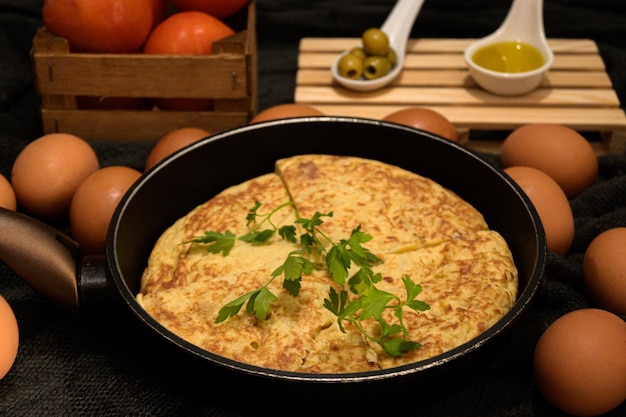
x: 418, y: 229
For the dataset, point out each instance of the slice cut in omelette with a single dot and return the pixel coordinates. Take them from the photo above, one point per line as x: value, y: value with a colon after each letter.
x: 400, y: 209
x: 418, y: 228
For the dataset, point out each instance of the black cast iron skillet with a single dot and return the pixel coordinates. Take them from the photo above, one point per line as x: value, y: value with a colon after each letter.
x: 198, y: 172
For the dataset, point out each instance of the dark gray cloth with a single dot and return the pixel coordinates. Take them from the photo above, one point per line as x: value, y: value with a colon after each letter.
x: 104, y: 364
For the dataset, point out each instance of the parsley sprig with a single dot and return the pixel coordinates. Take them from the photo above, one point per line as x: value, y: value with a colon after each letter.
x: 358, y: 300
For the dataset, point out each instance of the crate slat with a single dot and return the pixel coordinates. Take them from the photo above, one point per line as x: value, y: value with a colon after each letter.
x: 221, y: 76
x: 124, y: 125
x: 576, y: 92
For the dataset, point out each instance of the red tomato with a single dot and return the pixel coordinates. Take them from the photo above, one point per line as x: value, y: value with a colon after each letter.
x: 186, y: 33
x: 217, y: 8
x: 100, y: 26
x: 158, y: 11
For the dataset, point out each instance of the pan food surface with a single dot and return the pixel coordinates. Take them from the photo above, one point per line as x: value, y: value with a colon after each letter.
x: 417, y: 227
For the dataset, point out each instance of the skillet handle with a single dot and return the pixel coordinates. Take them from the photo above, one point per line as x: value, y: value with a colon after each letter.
x: 42, y: 256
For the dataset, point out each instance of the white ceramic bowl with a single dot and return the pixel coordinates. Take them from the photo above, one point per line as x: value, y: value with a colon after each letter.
x: 504, y: 83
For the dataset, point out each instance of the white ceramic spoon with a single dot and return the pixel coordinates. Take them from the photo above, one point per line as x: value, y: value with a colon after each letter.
x: 397, y: 27
x: 523, y: 23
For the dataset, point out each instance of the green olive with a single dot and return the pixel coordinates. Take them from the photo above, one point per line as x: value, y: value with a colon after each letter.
x: 375, y: 42
x: 392, y: 57
x: 376, y: 67
x: 358, y: 51
x: 350, y: 66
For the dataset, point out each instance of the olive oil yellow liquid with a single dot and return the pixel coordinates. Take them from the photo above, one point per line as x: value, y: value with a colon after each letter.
x: 509, y: 57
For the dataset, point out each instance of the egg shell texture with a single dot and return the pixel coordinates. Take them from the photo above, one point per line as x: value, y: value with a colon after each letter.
x: 604, y: 270
x: 7, y: 195
x: 580, y: 362
x: 172, y: 142
x: 47, y: 172
x: 424, y: 119
x: 284, y: 111
x: 94, y: 203
x: 551, y: 204
x: 557, y: 150
x: 9, y: 337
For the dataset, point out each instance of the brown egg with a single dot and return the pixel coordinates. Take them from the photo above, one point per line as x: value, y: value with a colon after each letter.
x: 173, y: 141
x: 9, y: 340
x: 424, y: 119
x: 551, y: 204
x: 47, y: 172
x: 95, y: 202
x: 580, y: 362
x: 604, y: 270
x: 284, y: 111
x: 557, y: 150
x: 7, y: 195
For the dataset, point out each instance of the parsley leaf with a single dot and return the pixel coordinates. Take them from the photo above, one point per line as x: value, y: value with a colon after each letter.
x: 216, y: 241
x: 356, y: 238
x: 398, y: 347
x: 231, y: 308
x: 288, y: 233
x: 292, y: 270
x: 374, y: 303
x: 257, y: 237
x: 310, y: 225
x: 336, y: 301
x: 252, y: 214
x: 412, y: 291
x: 309, y: 239
x: 338, y: 263
x: 259, y: 303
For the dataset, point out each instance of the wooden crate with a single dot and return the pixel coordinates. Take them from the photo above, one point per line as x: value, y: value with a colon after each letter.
x: 576, y: 92
x: 228, y: 77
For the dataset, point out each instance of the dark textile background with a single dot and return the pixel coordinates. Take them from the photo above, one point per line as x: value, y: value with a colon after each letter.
x: 102, y: 364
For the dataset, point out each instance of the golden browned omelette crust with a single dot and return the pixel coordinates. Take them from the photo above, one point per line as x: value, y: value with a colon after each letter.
x: 419, y: 228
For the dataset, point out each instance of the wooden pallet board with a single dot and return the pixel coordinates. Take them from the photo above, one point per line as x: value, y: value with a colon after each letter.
x: 576, y: 92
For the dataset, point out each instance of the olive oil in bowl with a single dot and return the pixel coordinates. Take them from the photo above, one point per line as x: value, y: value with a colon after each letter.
x: 514, y: 59
x: 509, y: 57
